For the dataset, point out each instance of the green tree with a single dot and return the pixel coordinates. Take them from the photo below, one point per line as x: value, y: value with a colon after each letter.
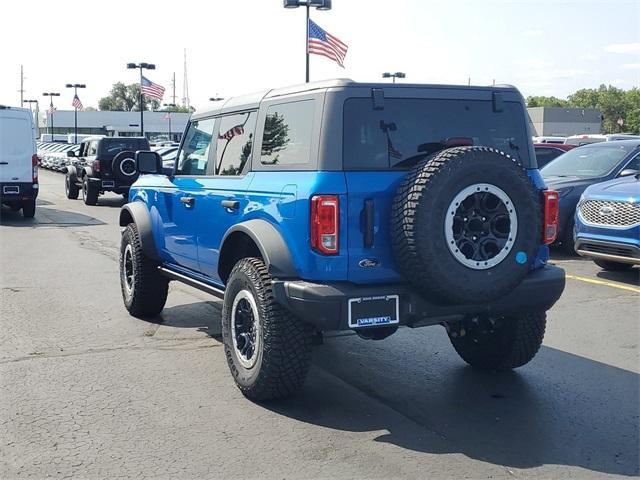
x: 540, y: 101
x: 611, y: 101
x: 275, y: 137
x: 632, y: 117
x: 179, y: 109
x: 126, y: 98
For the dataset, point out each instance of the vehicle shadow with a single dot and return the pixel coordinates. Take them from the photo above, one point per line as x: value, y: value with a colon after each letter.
x: 113, y: 200
x: 630, y: 277
x: 204, y: 316
x: 46, y: 216
x: 561, y: 410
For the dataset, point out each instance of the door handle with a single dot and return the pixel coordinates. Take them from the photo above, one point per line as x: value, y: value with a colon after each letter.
x: 187, y: 201
x: 230, y: 204
x: 4, y: 163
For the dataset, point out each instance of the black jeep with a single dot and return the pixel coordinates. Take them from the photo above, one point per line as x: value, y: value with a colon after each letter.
x: 103, y: 164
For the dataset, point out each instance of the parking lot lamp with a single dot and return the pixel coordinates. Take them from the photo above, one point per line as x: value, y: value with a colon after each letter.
x: 394, y: 75
x: 51, y: 109
x: 147, y: 66
x: 75, y: 87
x: 318, y: 5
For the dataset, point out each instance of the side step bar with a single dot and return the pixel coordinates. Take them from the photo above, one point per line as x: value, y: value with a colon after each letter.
x: 173, y: 275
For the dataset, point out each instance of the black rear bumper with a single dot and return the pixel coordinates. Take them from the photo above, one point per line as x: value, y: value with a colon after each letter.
x: 326, y: 305
x: 110, y: 184
x: 15, y: 192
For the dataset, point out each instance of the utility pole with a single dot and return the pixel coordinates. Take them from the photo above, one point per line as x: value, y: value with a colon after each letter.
x: 173, y: 84
x: 185, y: 84
x: 21, y: 86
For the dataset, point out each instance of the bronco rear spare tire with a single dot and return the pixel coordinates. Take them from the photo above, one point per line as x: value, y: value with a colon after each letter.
x: 124, y: 168
x: 466, y: 224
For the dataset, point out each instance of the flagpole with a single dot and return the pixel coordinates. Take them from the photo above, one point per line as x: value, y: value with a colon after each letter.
x: 141, y: 105
x: 306, y: 48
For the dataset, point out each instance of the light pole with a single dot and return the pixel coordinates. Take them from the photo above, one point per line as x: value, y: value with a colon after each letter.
x: 148, y: 66
x: 215, y: 99
x: 394, y: 75
x: 168, y: 114
x: 51, y: 95
x: 75, y: 87
x: 36, y: 115
x: 318, y: 5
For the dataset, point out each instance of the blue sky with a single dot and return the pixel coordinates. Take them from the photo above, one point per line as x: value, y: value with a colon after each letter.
x: 235, y: 47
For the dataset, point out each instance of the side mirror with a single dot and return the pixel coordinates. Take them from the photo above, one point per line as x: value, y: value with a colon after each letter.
x: 148, y: 162
x: 71, y: 153
x: 627, y: 172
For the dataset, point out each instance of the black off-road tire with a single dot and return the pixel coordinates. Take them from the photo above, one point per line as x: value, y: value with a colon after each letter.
x: 150, y: 288
x: 70, y: 187
x: 89, y: 192
x: 283, y: 355
x: 510, y: 342
x: 29, y: 208
x: 123, y: 167
x: 612, y: 266
x: 419, y: 214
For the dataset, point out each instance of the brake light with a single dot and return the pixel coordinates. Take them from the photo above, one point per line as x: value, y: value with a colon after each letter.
x: 34, y: 168
x: 95, y: 165
x: 550, y: 218
x: 325, y: 224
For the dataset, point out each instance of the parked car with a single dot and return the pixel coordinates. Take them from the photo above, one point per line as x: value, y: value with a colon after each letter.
x: 608, y: 223
x: 545, y: 152
x: 18, y: 160
x: 586, y: 139
x: 328, y: 206
x: 571, y: 173
x: 103, y: 164
x: 549, y: 139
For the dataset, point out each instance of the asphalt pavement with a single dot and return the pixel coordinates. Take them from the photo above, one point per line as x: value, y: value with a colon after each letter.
x: 86, y: 391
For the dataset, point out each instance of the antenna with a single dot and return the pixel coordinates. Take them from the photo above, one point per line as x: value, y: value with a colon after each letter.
x: 21, y: 86
x: 173, y: 85
x: 185, y: 84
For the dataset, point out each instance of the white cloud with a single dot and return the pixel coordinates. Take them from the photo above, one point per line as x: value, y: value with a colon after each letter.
x: 623, y: 48
x: 532, y: 33
x: 617, y: 81
x: 589, y: 56
x: 631, y: 66
x: 534, y: 63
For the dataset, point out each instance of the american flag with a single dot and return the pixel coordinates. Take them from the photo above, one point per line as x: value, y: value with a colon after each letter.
x: 167, y: 115
x: 51, y: 108
x: 232, y: 132
x: 151, y: 89
x: 77, y: 103
x: 323, y: 43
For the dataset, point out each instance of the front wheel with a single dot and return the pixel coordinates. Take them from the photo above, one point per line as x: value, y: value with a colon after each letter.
x: 613, y: 266
x: 70, y: 187
x: 267, y: 348
x: 144, y: 289
x: 498, y: 342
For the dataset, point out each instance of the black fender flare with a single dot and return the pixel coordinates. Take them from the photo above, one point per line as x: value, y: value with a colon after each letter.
x: 136, y: 212
x: 272, y: 247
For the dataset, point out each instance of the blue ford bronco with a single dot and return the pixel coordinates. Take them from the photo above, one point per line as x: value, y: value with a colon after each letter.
x: 348, y: 206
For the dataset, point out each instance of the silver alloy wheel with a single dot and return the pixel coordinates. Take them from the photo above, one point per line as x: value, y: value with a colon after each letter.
x: 245, y: 328
x: 481, y: 226
x: 128, y: 167
x: 128, y: 272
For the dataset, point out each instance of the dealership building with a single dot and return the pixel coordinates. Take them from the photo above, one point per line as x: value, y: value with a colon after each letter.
x: 111, y: 123
x: 559, y: 121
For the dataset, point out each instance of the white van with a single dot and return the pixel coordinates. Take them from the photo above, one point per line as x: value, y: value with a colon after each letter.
x: 18, y: 160
x: 586, y: 139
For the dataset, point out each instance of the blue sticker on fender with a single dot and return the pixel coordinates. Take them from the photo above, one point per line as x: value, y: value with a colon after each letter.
x: 521, y: 258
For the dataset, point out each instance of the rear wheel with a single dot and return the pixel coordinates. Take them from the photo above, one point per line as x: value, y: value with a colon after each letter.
x: 613, y: 266
x: 29, y: 208
x: 144, y: 289
x: 498, y: 342
x: 70, y: 187
x: 89, y: 192
x: 267, y: 348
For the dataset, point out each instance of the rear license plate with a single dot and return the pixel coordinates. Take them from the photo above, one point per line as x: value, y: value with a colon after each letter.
x: 108, y: 184
x: 374, y: 311
x: 11, y: 189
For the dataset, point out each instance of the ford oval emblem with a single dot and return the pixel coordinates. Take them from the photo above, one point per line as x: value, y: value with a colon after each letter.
x: 368, y: 263
x: 606, y: 211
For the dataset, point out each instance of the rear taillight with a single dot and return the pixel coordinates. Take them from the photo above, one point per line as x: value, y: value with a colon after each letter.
x: 325, y: 224
x: 550, y: 218
x: 95, y: 165
x: 34, y: 168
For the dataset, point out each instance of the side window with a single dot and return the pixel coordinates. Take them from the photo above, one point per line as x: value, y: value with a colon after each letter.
x: 634, y: 164
x: 287, y: 134
x: 92, y: 148
x: 235, y: 139
x: 194, y: 156
x: 83, y: 149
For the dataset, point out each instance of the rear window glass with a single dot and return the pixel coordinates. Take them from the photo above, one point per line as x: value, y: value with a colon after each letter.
x: 114, y: 146
x: 16, y: 137
x: 406, y: 130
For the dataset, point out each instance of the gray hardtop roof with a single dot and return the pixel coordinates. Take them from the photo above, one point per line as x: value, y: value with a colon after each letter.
x: 253, y: 100
x: 100, y: 137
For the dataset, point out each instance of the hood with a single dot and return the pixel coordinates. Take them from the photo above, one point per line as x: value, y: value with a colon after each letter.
x: 625, y: 189
x: 558, y: 183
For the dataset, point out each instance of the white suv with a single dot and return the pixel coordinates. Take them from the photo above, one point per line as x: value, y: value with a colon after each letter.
x: 18, y: 160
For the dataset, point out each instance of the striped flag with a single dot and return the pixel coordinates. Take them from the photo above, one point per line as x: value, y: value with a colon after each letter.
x: 151, y: 89
x: 77, y: 103
x: 323, y: 43
x: 232, y: 132
x: 51, y: 108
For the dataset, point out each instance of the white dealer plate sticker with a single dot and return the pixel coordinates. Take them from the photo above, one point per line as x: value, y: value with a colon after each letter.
x: 374, y: 311
x: 11, y: 189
